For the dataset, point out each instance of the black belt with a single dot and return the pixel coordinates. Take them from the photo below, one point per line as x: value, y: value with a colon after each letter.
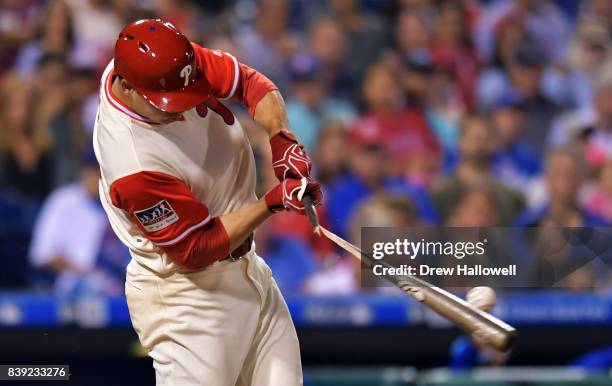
x: 241, y: 250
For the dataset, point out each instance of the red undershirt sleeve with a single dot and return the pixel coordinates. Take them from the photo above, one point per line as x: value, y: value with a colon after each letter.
x: 229, y: 78
x: 252, y: 87
x: 166, y: 212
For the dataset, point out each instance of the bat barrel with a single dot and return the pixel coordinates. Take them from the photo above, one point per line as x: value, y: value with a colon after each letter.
x: 475, y: 322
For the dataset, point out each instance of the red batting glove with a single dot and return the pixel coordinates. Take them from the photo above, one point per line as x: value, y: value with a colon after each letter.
x: 288, y: 157
x: 288, y: 195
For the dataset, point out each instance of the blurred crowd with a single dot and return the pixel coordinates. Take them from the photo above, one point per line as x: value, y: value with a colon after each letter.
x: 463, y: 113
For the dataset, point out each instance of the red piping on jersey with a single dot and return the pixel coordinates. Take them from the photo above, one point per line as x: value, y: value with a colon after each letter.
x: 117, y: 104
x: 236, y: 77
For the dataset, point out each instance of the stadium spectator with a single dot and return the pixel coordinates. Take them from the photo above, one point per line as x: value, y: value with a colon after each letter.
x: 18, y: 21
x: 384, y: 142
x: 514, y: 161
x: 366, y: 175
x: 267, y: 44
x: 589, y: 57
x: 412, y: 33
x: 564, y: 174
x: 72, y: 236
x: 404, y: 131
x: 366, y: 33
x: 474, y: 168
x: 96, y: 27
x: 290, y: 274
x: 521, y: 77
x: 416, y: 75
x: 54, y: 35
x: 597, y: 197
x: 309, y: 106
x: 328, y: 43
x: 542, y: 19
x: 331, y: 163
x: 596, y: 12
x: 451, y: 48
x: 555, y: 257
x: 182, y: 14
x: 444, y: 110
x: 477, y: 207
x: 24, y: 140
x: 588, y: 128
x: 429, y: 98
x: 590, y: 52
x: 598, y: 138
x: 72, y: 125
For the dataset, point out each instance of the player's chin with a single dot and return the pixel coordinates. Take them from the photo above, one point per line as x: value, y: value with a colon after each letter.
x: 165, y: 121
x: 168, y: 118
x: 161, y: 116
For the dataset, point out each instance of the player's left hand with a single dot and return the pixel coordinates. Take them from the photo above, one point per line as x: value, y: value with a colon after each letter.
x: 289, y: 158
x: 288, y: 195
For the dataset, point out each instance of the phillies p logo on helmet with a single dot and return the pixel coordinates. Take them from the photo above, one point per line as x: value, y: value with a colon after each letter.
x: 185, y: 72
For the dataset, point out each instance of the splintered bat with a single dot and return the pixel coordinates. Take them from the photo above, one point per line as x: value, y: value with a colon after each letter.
x: 484, y: 326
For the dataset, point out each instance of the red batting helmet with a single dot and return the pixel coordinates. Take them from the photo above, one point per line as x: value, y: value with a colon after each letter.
x: 159, y: 62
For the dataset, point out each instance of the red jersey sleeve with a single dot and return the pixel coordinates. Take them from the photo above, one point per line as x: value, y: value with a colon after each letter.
x: 166, y: 212
x: 229, y: 78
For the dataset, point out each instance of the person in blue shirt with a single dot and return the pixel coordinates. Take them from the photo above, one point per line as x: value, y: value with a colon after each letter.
x: 291, y: 260
x: 597, y: 360
x: 366, y: 177
x: 564, y: 175
x: 467, y: 352
x: 308, y: 106
x: 567, y: 238
x: 476, y: 144
x: 513, y: 160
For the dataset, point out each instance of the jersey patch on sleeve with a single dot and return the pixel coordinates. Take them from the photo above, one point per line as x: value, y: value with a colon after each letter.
x: 159, y: 216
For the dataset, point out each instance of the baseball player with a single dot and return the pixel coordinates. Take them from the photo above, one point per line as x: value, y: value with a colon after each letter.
x: 178, y: 180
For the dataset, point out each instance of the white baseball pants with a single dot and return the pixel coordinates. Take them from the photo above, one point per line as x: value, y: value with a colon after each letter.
x: 227, y: 325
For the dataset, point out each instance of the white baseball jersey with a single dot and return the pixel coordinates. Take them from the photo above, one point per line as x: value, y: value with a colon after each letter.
x: 162, y: 187
x: 162, y: 182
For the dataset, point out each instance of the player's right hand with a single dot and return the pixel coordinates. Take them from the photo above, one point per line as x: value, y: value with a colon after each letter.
x: 288, y: 195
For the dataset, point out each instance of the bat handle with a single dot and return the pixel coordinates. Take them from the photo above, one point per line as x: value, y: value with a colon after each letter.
x: 310, y: 211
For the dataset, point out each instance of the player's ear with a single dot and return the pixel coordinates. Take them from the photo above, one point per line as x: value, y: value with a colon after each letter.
x: 125, y: 86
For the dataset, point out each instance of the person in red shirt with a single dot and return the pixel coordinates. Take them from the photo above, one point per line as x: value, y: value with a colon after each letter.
x: 404, y: 130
